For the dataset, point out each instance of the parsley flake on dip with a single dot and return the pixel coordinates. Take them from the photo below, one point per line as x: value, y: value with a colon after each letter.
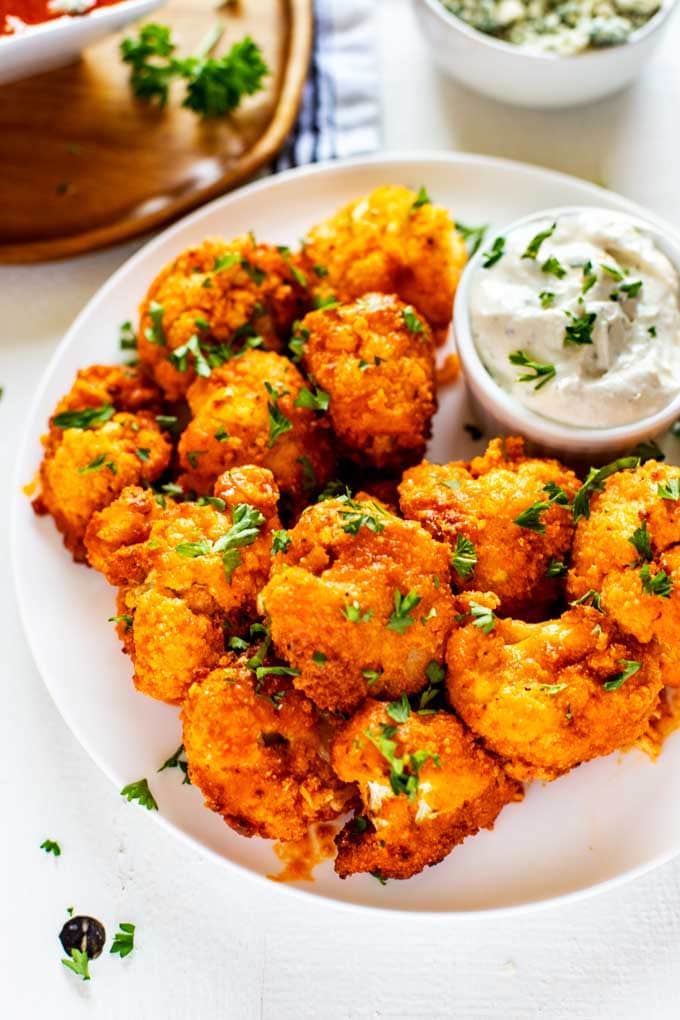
x: 577, y: 316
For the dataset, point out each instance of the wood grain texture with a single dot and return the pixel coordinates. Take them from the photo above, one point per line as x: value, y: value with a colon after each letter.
x: 83, y: 164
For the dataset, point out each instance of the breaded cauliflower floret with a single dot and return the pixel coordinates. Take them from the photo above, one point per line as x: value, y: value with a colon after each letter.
x: 547, y: 696
x: 245, y: 413
x: 425, y: 786
x: 214, y: 294
x: 387, y: 242
x: 480, y: 502
x: 125, y: 387
x: 185, y: 571
x: 258, y: 753
x: 359, y: 603
x: 628, y: 551
x: 86, y: 468
x: 376, y: 360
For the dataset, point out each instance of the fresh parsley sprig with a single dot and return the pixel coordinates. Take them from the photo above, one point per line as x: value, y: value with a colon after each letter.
x: 539, y: 372
x: 124, y: 940
x: 140, y: 792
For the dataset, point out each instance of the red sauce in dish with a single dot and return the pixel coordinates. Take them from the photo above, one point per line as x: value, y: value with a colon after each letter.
x: 14, y: 14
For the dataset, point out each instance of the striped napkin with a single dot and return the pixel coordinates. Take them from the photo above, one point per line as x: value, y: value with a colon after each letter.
x: 339, y: 114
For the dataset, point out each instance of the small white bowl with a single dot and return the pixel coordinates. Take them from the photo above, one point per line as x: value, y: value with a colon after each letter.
x: 56, y: 43
x: 500, y: 413
x: 521, y: 77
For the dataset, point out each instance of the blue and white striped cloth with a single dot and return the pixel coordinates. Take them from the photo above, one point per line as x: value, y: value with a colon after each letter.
x: 339, y: 113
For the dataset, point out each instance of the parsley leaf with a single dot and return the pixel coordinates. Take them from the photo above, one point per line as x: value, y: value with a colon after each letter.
x: 464, y: 557
x: 124, y: 940
x: 140, y: 792
x: 124, y: 618
x: 546, y: 297
x: 359, y: 516
x: 319, y: 659
x: 595, y: 483
x: 591, y: 598
x: 556, y: 569
x: 98, y: 463
x: 401, y: 620
x: 422, y: 198
x: 482, y: 617
x: 176, y: 761
x: 671, y: 490
x: 50, y: 847
x: 404, y: 772
x: 78, y: 964
x: 612, y: 271
x: 542, y: 371
x: 179, y: 358
x: 473, y: 237
x: 581, y: 329
x: 84, y: 419
x: 399, y: 710
x: 216, y: 86
x: 660, y: 584
x: 551, y: 689
x: 127, y: 338
x: 532, y: 249
x: 411, y: 320
x: 352, y: 612
x: 531, y: 517
x: 280, y: 542
x: 278, y: 423
x: 316, y: 401
x: 630, y: 668
x: 641, y: 542
x: 554, y: 267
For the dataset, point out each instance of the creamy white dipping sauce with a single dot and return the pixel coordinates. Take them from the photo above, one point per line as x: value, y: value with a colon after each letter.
x: 592, y: 320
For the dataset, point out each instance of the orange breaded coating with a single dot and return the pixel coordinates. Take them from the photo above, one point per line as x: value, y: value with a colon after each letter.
x: 480, y: 502
x: 125, y: 387
x: 547, y: 696
x: 245, y: 413
x: 258, y: 753
x: 628, y: 550
x: 386, y: 242
x: 425, y: 787
x: 375, y: 358
x: 185, y: 571
x: 213, y: 297
x: 359, y: 603
x: 86, y: 469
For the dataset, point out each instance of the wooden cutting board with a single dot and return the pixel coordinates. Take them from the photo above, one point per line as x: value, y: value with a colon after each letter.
x: 83, y: 164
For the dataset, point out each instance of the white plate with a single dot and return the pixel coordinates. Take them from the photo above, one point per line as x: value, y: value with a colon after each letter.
x: 53, y: 44
x: 612, y: 818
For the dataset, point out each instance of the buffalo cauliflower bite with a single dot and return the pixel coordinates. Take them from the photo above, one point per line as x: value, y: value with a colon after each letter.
x: 102, y: 437
x: 481, y: 503
x: 376, y: 360
x: 547, y: 696
x: 258, y: 753
x: 212, y: 299
x: 251, y: 411
x: 359, y: 603
x: 425, y: 786
x: 388, y: 242
x: 628, y: 552
x: 186, y: 571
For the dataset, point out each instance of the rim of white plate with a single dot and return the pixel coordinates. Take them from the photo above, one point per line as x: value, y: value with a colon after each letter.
x: 386, y: 159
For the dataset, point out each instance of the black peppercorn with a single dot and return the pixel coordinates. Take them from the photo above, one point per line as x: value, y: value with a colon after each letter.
x: 86, y: 934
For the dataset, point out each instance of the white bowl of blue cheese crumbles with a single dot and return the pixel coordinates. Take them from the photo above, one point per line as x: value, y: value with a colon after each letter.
x: 543, y: 53
x: 568, y: 330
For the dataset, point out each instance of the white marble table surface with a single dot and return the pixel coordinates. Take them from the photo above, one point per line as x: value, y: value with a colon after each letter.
x: 213, y: 944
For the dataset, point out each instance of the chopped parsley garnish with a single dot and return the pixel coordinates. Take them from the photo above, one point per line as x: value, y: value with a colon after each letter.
x: 214, y: 86
x: 226, y: 261
x: 435, y: 675
x: 85, y: 419
x: 98, y: 463
x: 168, y: 421
x: 320, y: 271
x: 531, y: 517
x: 221, y: 434
x: 556, y: 569
x: 482, y: 617
x: 262, y: 671
x: 539, y: 372
x: 309, y: 481
x: 554, y: 267
x: 123, y: 618
x: 316, y: 400
x: 140, y: 792
x: 143, y: 452
x: 124, y: 940
x: 411, y: 320
x: 127, y: 338
x: 378, y: 876
x: 256, y: 274
x: 405, y: 771
x: 490, y: 258
x: 50, y: 847
x: 532, y: 249
x: 177, y: 761
x: 278, y: 423
x: 591, y: 598
x: 215, y: 501
x: 179, y: 358
x: 280, y: 542
x: 552, y: 689
x: 671, y: 490
x: 358, y: 516
x: 193, y: 455
x: 319, y: 659
x: 641, y: 542
x: 631, y: 289
x: 589, y: 277
x: 421, y: 199
x: 464, y: 557
x: 352, y: 612
x: 401, y: 620
x: 595, y: 483
x: 612, y: 271
x: 580, y: 331
x: 652, y: 330
x: 330, y: 301
x: 78, y: 964
x: 371, y: 675
x: 399, y: 710
x: 546, y: 297
x: 297, y: 342
x: 155, y: 333
x: 630, y: 668
x: 659, y: 584
x: 245, y: 528
x: 473, y: 237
